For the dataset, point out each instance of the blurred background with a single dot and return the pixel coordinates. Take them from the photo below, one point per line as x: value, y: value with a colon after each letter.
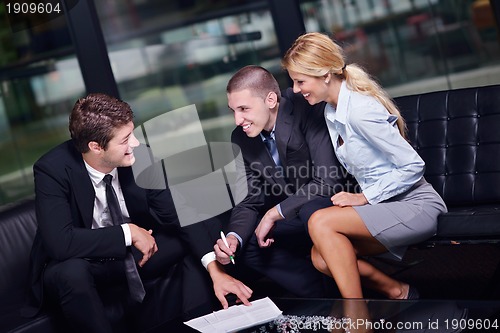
x: 160, y: 55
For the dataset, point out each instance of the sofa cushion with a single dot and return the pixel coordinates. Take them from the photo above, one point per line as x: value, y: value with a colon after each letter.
x: 14, y: 322
x: 17, y: 230
x: 482, y: 221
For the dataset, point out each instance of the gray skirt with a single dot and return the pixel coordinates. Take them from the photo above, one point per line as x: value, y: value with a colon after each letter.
x: 405, y: 219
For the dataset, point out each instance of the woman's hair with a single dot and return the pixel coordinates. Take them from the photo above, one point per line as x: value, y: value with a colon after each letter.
x: 255, y: 78
x: 316, y: 54
x: 95, y: 117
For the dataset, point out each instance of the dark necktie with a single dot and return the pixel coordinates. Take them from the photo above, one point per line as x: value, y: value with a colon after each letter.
x: 271, y: 146
x: 135, y: 286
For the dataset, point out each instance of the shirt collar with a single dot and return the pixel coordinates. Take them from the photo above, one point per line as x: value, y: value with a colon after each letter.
x: 341, y: 110
x: 272, y: 134
x: 97, y: 176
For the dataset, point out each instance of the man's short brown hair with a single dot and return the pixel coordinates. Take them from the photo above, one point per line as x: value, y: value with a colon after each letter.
x: 257, y: 79
x: 95, y: 117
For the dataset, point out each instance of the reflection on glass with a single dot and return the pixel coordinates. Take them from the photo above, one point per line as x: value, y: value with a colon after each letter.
x: 414, y: 46
x: 39, y: 83
x: 324, y: 315
x: 171, y: 61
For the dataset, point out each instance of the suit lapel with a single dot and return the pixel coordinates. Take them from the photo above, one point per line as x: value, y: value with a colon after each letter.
x: 259, y: 152
x: 265, y: 162
x: 83, y: 190
x: 130, y: 191
x: 283, y: 129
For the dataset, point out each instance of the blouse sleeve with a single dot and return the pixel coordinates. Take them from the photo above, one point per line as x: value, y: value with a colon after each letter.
x: 378, y: 128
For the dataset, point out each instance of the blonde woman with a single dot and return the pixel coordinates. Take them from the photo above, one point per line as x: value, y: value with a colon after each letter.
x: 396, y: 206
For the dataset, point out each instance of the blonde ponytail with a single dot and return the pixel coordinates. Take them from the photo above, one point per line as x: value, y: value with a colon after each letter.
x: 360, y: 81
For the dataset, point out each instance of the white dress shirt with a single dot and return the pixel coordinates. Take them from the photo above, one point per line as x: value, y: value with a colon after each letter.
x: 101, y: 216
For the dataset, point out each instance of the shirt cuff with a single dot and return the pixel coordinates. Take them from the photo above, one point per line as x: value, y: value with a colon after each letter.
x: 127, y: 234
x: 278, y: 207
x: 237, y: 237
x: 207, y: 259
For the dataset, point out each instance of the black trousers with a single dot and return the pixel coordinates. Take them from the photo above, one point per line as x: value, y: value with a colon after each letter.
x: 312, y: 206
x: 287, y: 262
x: 82, y: 287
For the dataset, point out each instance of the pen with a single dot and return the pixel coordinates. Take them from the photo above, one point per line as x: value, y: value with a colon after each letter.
x: 225, y: 243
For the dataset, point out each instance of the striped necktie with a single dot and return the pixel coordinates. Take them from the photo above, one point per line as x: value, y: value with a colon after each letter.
x: 271, y: 147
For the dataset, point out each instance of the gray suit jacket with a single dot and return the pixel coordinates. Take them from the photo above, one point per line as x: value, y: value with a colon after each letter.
x: 309, y: 170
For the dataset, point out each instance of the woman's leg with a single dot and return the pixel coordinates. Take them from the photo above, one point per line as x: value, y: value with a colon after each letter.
x: 339, y: 236
x: 319, y: 263
x: 374, y: 279
x: 331, y: 230
x: 371, y: 277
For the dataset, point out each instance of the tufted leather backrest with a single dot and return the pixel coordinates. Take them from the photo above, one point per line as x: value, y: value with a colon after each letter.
x: 17, y: 230
x: 457, y: 133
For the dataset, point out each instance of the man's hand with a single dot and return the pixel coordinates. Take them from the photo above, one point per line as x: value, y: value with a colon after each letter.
x: 143, y: 241
x: 225, y: 284
x: 222, y: 252
x: 266, y: 224
x: 345, y: 199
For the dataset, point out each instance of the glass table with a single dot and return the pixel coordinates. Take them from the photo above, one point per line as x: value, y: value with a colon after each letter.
x: 366, y: 316
x: 326, y: 315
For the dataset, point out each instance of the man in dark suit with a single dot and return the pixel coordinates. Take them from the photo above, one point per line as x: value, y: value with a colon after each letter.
x: 92, y: 217
x: 280, y: 181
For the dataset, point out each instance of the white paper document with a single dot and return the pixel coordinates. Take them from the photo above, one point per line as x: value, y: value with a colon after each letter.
x: 237, y: 317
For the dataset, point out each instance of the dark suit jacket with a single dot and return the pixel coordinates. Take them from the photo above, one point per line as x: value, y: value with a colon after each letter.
x: 64, y: 209
x: 310, y: 167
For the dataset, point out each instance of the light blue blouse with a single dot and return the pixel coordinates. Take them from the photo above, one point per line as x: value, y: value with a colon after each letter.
x: 381, y: 160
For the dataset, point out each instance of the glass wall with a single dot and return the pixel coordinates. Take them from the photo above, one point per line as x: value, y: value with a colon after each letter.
x: 183, y: 53
x: 39, y: 82
x: 414, y: 46
x: 169, y: 54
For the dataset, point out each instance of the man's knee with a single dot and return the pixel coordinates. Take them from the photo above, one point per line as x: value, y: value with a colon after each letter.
x: 170, y: 252
x: 251, y: 251
x: 71, y: 275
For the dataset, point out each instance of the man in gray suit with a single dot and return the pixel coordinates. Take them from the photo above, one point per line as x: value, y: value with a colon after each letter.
x: 288, y: 160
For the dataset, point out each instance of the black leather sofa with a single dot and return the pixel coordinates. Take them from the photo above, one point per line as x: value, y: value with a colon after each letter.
x: 162, y: 308
x: 456, y: 132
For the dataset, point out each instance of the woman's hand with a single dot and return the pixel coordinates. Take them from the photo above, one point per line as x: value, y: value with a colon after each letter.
x: 346, y: 199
